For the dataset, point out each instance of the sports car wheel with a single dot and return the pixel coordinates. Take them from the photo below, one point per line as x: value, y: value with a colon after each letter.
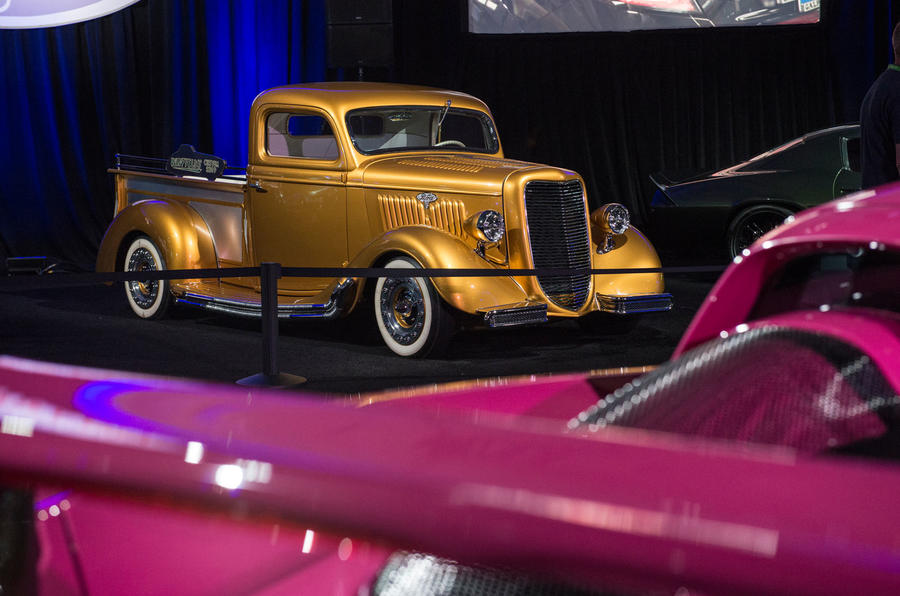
x: 410, y: 316
x: 751, y: 224
x: 148, y: 299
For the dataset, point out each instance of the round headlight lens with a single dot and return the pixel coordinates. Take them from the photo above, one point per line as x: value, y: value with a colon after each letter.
x: 617, y: 218
x: 491, y: 224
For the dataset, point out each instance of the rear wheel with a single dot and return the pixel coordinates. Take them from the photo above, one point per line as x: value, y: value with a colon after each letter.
x: 411, y: 317
x: 753, y: 223
x: 148, y: 299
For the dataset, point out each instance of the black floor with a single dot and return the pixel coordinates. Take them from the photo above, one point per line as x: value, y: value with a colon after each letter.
x: 93, y: 326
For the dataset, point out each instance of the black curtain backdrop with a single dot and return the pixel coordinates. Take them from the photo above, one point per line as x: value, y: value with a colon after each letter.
x: 858, y: 36
x: 617, y: 107
x: 614, y: 107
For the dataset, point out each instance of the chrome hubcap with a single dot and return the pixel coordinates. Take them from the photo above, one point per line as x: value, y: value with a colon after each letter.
x: 143, y: 293
x: 402, y: 309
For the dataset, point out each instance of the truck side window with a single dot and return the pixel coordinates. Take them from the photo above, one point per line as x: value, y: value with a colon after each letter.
x: 300, y: 135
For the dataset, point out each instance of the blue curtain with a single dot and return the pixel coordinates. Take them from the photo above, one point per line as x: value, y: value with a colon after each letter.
x: 141, y: 81
x: 255, y: 46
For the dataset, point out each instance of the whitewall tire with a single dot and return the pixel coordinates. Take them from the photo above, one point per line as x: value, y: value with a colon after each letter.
x: 411, y: 317
x: 148, y: 299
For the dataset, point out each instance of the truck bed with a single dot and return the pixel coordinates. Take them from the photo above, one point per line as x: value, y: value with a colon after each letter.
x: 219, y: 202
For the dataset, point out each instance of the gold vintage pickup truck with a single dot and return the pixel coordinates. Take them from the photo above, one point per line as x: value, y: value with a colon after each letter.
x: 381, y: 175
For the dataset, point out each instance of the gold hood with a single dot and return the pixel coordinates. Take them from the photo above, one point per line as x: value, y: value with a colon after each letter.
x: 457, y: 173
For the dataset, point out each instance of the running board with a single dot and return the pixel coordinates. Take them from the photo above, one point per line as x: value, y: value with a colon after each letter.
x: 334, y: 308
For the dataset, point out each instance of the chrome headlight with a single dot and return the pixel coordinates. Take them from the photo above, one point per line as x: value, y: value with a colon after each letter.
x: 612, y: 217
x: 486, y: 226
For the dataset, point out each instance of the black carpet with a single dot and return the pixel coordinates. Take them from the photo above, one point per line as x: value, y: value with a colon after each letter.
x: 93, y: 326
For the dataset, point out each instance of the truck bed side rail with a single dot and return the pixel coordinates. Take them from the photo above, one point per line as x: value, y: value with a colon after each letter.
x: 157, y: 165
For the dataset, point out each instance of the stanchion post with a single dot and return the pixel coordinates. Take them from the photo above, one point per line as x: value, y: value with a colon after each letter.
x: 269, y: 273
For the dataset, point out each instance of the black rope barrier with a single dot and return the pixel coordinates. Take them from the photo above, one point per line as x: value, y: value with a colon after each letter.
x: 69, y: 279
x: 269, y: 273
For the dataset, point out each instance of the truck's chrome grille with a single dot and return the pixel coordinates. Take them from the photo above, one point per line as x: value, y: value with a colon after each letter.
x: 558, y: 231
x: 398, y: 211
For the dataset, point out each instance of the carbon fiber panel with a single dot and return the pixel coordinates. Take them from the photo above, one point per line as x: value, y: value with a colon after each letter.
x: 416, y: 574
x: 769, y: 385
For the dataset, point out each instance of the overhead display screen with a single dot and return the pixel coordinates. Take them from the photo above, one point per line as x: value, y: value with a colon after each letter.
x: 563, y: 16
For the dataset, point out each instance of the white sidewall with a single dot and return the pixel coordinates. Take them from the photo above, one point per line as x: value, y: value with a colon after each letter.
x: 417, y: 345
x: 163, y: 286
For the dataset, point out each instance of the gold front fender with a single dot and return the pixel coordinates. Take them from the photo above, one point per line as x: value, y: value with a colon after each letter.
x: 438, y: 250
x: 178, y: 231
x: 632, y: 251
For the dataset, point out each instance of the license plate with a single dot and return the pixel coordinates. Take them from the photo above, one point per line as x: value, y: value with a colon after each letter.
x: 808, y: 5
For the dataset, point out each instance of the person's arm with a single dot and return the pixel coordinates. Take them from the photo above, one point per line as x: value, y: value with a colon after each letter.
x: 895, y: 130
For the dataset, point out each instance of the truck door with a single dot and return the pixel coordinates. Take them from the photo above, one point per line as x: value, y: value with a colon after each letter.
x: 298, y: 200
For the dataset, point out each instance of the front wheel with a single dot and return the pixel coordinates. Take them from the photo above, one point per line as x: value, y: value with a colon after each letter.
x: 148, y: 299
x: 753, y: 223
x: 411, y: 317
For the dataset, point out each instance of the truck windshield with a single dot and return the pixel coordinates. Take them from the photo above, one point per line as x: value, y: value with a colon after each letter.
x: 421, y: 128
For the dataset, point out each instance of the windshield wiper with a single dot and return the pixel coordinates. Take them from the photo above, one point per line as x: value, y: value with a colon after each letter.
x: 443, y: 115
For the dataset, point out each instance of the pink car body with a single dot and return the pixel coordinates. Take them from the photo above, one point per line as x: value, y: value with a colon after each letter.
x: 151, y: 486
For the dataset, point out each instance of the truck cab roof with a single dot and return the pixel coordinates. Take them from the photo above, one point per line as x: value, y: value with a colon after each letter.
x: 343, y: 96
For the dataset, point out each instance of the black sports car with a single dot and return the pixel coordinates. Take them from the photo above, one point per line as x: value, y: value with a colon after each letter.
x: 723, y: 212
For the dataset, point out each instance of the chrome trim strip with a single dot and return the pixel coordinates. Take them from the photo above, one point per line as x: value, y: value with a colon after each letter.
x: 336, y: 305
x: 639, y: 303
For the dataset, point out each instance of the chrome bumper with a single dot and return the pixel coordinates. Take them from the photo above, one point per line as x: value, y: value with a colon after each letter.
x: 626, y: 305
x: 511, y: 315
